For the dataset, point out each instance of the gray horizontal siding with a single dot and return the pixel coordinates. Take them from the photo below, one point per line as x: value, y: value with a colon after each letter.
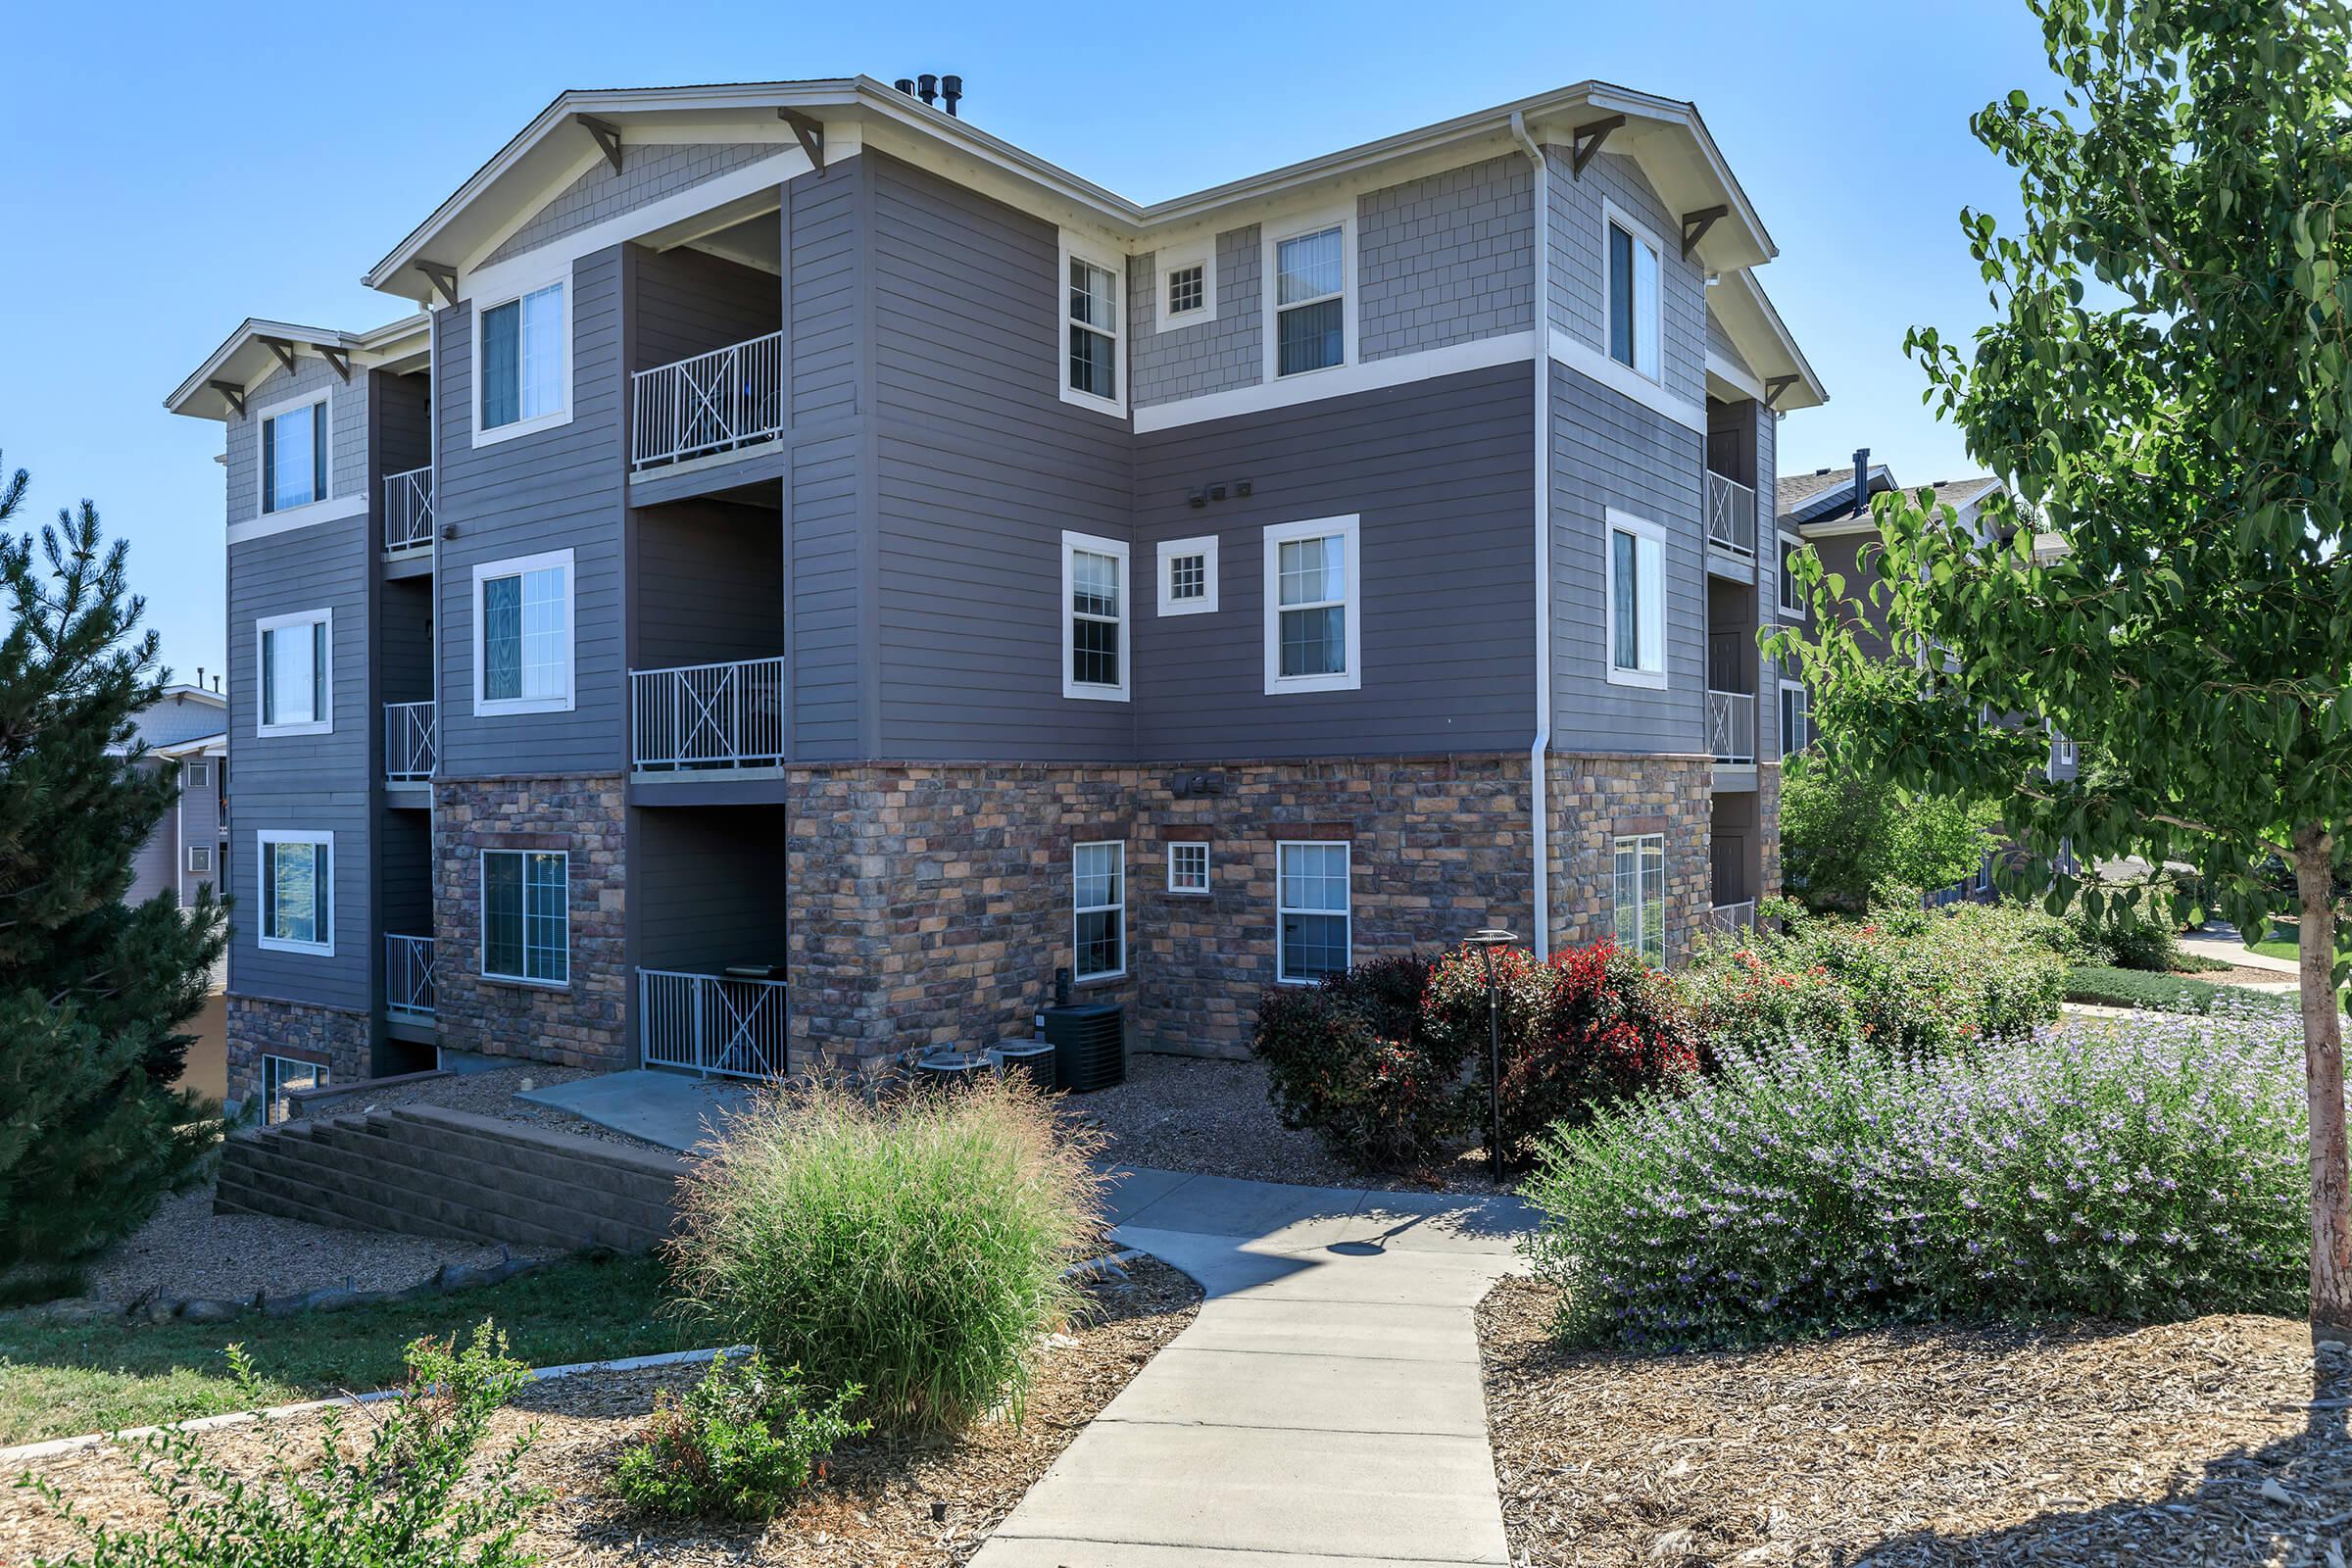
x: 1187, y: 362
x: 553, y: 489
x: 705, y: 886
x: 827, y: 620
x: 685, y: 303
x: 155, y: 865
x: 1445, y: 260
x: 1578, y: 307
x: 823, y: 241
x: 708, y: 585
x: 1609, y: 451
x: 197, y: 822
x: 647, y: 175
x: 1441, y: 474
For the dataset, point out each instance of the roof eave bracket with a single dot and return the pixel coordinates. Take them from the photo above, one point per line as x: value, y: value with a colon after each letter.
x: 1696, y: 225
x: 1584, y: 141
x: 340, y: 358
x: 234, y: 393
x: 812, y: 135
x: 443, y: 278
x: 1774, y: 386
x: 608, y: 137
x: 282, y: 349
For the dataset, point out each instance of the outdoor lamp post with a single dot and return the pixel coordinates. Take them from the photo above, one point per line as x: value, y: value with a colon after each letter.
x: 1487, y: 940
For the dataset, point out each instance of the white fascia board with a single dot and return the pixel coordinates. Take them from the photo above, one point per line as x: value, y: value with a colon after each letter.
x: 244, y: 347
x: 1763, y: 339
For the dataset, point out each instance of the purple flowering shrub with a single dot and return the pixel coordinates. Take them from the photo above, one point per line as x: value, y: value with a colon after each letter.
x: 2149, y: 1172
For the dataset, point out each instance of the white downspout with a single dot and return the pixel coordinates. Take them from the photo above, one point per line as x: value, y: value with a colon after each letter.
x: 1540, y: 330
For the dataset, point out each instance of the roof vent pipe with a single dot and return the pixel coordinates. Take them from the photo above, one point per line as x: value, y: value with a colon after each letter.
x: 926, y: 87
x: 905, y: 85
x: 1861, y: 482
x: 950, y: 89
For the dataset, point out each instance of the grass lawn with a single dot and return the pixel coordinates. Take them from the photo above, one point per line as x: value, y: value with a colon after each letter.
x: 58, y: 1379
x: 2281, y: 942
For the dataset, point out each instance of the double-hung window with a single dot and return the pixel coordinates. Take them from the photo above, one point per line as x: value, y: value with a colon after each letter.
x: 1099, y: 911
x: 1632, y: 272
x: 1314, y: 606
x: 1094, y: 303
x: 526, y: 915
x: 1188, y: 867
x: 1638, y: 894
x: 525, y: 360
x: 1637, y: 606
x: 1187, y: 576
x: 1310, y: 910
x: 296, y: 892
x: 1792, y: 601
x: 1310, y: 288
x: 1094, y: 597
x: 522, y: 635
x: 1796, y: 717
x: 294, y: 457
x: 296, y: 668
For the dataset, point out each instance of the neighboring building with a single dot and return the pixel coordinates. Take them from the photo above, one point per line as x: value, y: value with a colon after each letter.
x: 805, y: 536
x: 190, y: 846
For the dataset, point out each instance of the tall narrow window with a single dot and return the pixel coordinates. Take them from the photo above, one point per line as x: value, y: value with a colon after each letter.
x: 1640, y: 895
x: 1310, y: 281
x: 522, y: 649
x: 1311, y: 911
x: 1094, y: 593
x: 526, y: 915
x: 1634, y: 301
x: 1099, y: 911
x: 1793, y: 601
x: 297, y: 892
x: 1636, y: 617
x: 522, y: 356
x: 1094, y: 327
x: 1315, y: 637
x: 295, y: 673
x: 294, y: 457
x: 1796, y: 719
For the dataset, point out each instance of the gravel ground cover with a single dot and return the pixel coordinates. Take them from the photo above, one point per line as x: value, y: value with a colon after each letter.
x: 931, y: 1504
x: 1211, y: 1117
x: 2208, y: 1441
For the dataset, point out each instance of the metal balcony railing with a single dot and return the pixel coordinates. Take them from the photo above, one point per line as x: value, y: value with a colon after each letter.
x: 409, y: 508
x: 1731, y: 917
x: 712, y: 402
x: 711, y: 1023
x: 708, y: 716
x: 410, y: 746
x: 408, y: 976
x: 1731, y: 515
x: 1731, y: 726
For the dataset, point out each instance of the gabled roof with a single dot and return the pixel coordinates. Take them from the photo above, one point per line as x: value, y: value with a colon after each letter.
x: 1826, y: 495
x: 1738, y: 302
x: 258, y: 349
x: 182, y: 714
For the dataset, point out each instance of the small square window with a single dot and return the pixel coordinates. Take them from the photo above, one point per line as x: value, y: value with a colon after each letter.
x: 1187, y: 576
x: 1188, y: 289
x: 1188, y: 868
x: 195, y: 775
x: 200, y: 861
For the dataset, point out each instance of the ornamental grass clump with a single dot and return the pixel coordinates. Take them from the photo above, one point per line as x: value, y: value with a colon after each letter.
x: 2151, y: 1172
x: 912, y: 1245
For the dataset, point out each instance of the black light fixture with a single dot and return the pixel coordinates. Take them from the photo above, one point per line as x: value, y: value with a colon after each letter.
x: 1486, y: 940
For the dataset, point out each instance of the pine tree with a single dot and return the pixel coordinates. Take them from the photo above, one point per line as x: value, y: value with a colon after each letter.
x: 92, y: 1132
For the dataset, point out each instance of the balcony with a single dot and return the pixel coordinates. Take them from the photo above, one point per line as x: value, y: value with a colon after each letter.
x: 1732, y: 918
x: 409, y: 508
x: 697, y: 717
x: 409, y: 977
x: 711, y: 1023
x: 1731, y: 515
x: 1731, y: 726
x: 409, y: 748
x: 712, y: 403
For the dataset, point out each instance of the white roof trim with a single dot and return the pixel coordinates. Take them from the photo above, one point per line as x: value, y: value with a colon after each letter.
x: 245, y: 360
x: 1746, y: 313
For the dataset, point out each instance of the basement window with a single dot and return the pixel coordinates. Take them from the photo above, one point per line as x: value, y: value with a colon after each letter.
x: 1638, y: 895
x: 1313, y: 919
x: 1188, y: 868
x: 1099, y: 911
x: 280, y: 1076
x: 526, y: 915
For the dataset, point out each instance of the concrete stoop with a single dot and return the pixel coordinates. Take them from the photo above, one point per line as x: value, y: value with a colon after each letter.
x: 423, y: 1170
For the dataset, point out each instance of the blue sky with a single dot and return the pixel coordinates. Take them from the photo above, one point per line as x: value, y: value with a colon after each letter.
x: 170, y: 169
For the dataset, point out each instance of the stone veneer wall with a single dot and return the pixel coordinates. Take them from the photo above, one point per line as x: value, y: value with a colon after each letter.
x: 580, y: 1024
x: 1597, y: 798
x: 341, y: 1042
x: 932, y: 901
x: 1768, y: 824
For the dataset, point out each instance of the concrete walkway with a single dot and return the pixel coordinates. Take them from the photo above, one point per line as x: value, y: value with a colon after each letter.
x: 675, y: 1109
x: 2222, y: 942
x: 1325, y: 1408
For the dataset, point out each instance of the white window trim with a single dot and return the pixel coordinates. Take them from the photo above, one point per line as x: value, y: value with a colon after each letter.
x: 488, y: 706
x: 1071, y: 686
x: 1277, y: 535
x: 1270, y: 237
x: 1077, y: 909
x: 1173, y: 258
x: 1077, y: 247
x: 1179, y: 889
x: 1614, y: 522
x: 196, y: 773
x: 1641, y: 903
x: 507, y: 295
x: 262, y: 840
x: 1787, y: 686
x: 1780, y: 571
x: 1611, y: 213
x: 482, y: 911
x: 1346, y: 915
x: 195, y: 850
x: 324, y: 725
x: 313, y: 509
x: 1205, y: 546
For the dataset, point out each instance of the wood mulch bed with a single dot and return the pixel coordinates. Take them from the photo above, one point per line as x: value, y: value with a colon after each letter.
x: 2208, y: 1441
x: 875, y: 1508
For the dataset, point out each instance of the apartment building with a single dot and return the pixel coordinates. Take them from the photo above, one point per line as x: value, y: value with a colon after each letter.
x: 189, y: 847
x: 809, y: 569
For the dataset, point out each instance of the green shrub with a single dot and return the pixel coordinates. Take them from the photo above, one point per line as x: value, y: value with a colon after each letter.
x: 1845, y: 834
x: 911, y: 1246
x: 414, y: 1498
x: 738, y: 1446
x: 1351, y: 1062
x: 2149, y: 1172
x: 2125, y: 936
x: 2103, y: 986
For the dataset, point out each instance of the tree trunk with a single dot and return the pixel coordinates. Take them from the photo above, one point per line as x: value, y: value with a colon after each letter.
x: 2324, y: 1084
